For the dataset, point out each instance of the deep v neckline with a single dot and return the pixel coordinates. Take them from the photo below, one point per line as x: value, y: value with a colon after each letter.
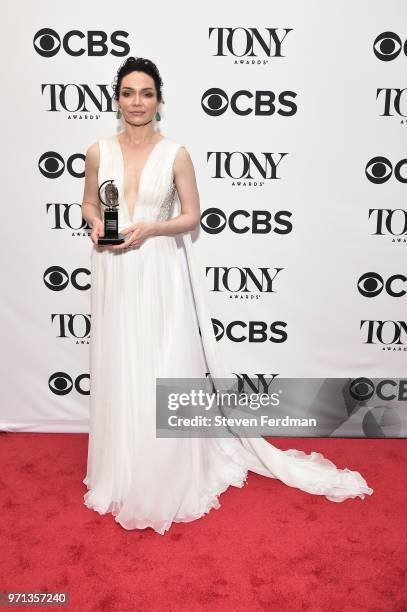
x: 131, y: 216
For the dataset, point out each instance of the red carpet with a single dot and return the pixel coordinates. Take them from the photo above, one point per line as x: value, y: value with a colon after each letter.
x: 269, y: 546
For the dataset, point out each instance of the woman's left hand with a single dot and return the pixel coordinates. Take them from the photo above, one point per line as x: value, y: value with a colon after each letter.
x: 135, y: 235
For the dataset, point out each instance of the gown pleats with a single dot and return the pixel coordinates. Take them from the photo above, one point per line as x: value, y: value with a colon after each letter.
x: 147, y: 307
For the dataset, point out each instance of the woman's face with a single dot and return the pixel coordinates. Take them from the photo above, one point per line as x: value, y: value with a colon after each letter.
x: 138, y: 98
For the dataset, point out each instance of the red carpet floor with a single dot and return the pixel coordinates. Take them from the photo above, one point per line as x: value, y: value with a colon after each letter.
x: 268, y: 547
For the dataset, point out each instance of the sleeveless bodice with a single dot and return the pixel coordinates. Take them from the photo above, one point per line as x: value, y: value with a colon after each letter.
x: 157, y: 191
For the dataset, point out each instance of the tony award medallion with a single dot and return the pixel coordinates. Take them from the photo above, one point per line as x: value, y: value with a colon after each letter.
x: 111, y: 213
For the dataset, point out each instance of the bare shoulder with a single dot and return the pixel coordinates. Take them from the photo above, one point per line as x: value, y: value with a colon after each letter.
x: 182, y: 159
x: 93, y: 155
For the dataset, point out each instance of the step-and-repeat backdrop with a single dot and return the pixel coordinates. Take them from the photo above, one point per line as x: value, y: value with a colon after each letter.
x: 294, y: 115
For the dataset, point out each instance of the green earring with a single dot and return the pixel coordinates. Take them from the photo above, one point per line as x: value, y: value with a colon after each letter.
x: 158, y: 116
x: 118, y: 114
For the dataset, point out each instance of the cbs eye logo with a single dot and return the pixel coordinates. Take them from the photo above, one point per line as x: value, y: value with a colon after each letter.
x: 52, y: 165
x: 361, y: 389
x: 388, y: 389
x: 61, y: 383
x: 372, y: 284
x: 215, y: 102
x: 250, y: 331
x: 379, y: 170
x: 57, y: 278
x: 47, y: 43
x: 387, y: 46
x: 214, y: 221
x: 382, y: 421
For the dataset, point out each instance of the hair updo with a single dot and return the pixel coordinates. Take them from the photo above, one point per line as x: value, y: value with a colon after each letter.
x: 141, y: 65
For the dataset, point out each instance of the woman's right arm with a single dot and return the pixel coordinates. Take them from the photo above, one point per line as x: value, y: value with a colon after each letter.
x: 91, y: 210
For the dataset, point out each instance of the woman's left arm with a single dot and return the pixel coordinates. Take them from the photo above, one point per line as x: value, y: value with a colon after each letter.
x: 185, y: 182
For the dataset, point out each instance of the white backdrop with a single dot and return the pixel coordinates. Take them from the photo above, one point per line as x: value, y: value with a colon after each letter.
x: 343, y: 108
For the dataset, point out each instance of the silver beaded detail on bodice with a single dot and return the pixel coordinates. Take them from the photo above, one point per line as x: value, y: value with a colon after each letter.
x: 164, y: 212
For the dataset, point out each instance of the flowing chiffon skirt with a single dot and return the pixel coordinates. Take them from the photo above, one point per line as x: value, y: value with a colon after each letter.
x: 145, y: 325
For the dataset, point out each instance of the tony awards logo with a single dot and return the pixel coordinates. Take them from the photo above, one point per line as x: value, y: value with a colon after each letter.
x: 111, y: 213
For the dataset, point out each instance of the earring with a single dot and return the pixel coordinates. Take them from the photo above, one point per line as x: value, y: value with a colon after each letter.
x: 118, y: 114
x: 158, y: 116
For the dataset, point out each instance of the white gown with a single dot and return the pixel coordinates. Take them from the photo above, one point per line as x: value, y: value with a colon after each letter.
x: 146, y: 306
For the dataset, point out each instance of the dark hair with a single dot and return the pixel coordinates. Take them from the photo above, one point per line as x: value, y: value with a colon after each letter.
x: 141, y: 65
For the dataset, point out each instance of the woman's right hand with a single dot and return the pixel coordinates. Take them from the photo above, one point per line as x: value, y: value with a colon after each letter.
x: 98, y: 231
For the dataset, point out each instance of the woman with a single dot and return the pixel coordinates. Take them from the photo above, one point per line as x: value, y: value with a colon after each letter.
x: 148, y: 307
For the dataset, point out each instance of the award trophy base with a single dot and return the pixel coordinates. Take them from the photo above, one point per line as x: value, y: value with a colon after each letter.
x: 118, y: 239
x: 111, y: 227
